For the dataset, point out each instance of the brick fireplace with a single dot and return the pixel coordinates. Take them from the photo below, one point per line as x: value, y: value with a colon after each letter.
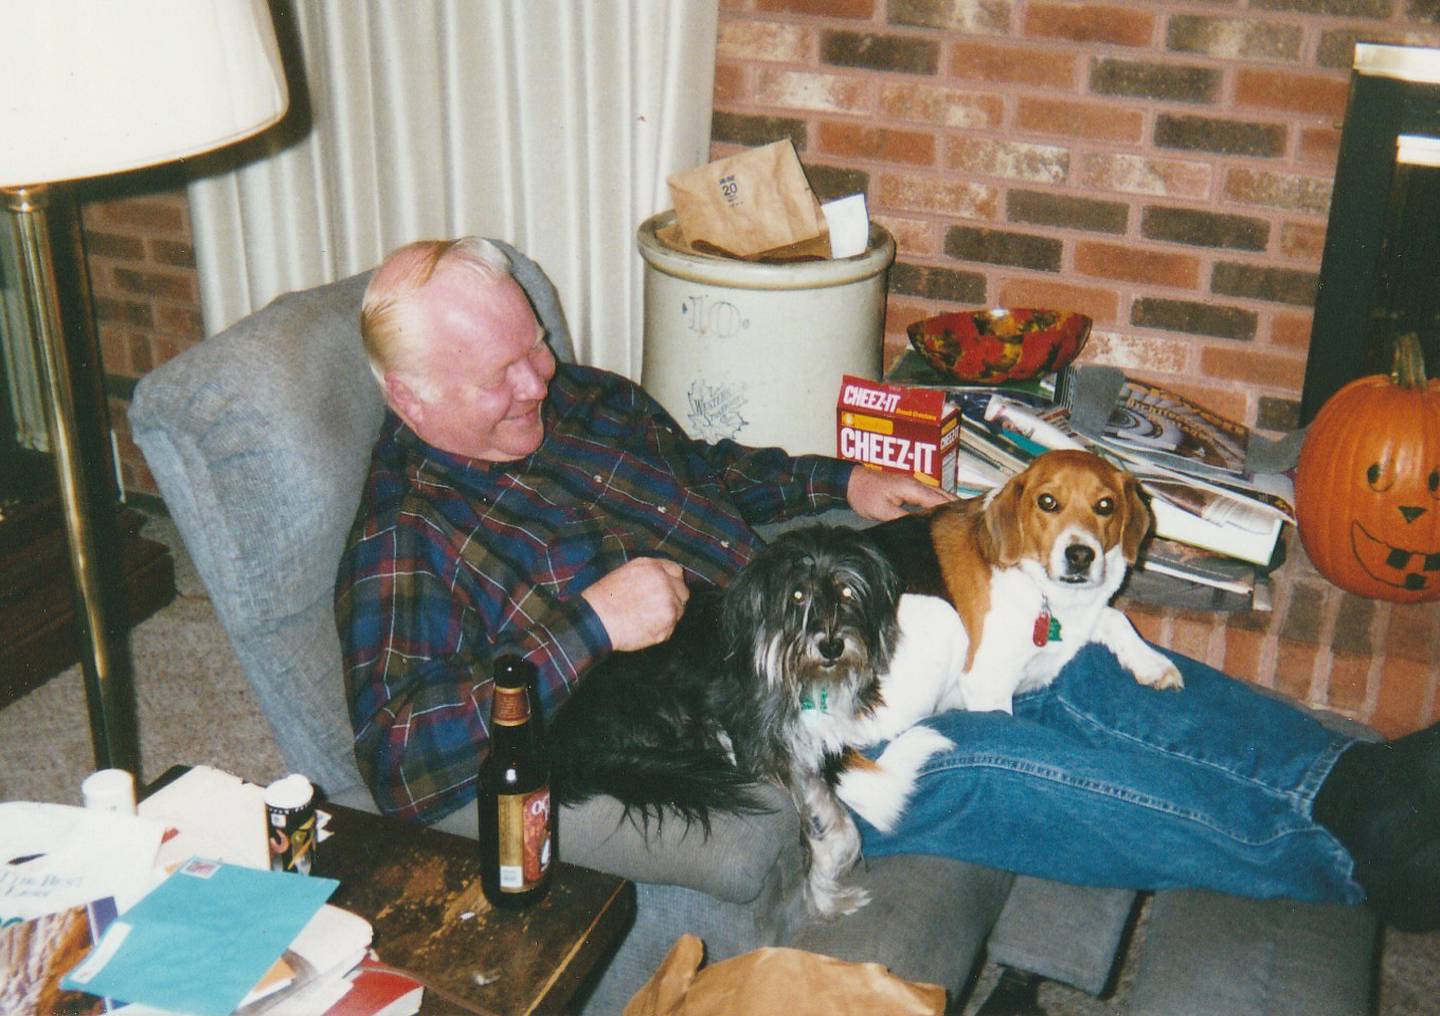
x: 1379, y: 274
x: 1165, y: 167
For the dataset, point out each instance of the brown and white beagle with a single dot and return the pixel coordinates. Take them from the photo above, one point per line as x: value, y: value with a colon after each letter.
x: 1003, y: 590
x: 1030, y: 569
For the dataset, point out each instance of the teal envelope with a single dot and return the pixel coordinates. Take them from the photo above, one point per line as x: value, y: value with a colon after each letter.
x: 202, y: 938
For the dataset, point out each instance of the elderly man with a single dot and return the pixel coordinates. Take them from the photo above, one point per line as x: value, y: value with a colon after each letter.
x: 514, y: 505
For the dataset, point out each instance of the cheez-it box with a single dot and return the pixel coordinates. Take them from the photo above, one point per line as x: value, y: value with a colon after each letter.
x: 899, y: 429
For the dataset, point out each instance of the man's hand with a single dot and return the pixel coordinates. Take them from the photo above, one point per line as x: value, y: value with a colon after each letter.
x: 884, y: 496
x: 639, y: 602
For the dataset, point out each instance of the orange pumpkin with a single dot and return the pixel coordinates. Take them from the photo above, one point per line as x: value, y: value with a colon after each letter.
x: 1367, y: 488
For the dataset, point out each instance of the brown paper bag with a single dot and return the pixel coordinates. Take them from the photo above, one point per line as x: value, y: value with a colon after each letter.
x: 755, y: 205
x: 775, y: 980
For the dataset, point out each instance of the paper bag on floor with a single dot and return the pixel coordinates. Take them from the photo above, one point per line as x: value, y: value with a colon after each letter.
x: 776, y: 980
x: 755, y: 205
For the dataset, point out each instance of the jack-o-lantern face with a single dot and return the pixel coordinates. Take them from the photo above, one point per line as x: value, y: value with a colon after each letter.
x: 1367, y: 489
x: 1374, y: 534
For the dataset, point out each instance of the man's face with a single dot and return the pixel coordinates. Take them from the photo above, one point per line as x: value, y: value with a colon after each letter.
x: 487, y: 368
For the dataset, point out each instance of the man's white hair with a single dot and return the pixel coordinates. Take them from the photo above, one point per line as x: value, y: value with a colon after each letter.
x: 390, y: 320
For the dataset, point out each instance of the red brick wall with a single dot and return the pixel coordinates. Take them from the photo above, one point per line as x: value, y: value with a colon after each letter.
x: 1164, y: 167
x: 1367, y: 659
x: 147, y: 296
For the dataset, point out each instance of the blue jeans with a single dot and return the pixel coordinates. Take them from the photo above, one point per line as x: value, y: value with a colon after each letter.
x: 1099, y: 781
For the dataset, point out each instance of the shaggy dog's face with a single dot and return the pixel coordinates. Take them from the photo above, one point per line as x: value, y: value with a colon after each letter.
x: 814, y: 609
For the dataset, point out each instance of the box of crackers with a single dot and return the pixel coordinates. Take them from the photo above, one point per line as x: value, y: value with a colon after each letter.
x: 898, y: 428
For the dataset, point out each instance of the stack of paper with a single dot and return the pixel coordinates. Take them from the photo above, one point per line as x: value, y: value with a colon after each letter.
x: 1194, y: 463
x: 93, y: 902
x: 312, y: 974
x: 210, y: 813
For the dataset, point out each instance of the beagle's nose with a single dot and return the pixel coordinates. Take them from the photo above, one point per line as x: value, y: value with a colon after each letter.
x: 1411, y: 512
x: 1078, y: 557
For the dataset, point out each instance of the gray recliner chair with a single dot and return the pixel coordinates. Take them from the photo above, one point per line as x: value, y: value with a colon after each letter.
x: 259, y: 439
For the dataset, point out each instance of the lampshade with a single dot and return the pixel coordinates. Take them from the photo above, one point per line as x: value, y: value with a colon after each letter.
x: 89, y: 88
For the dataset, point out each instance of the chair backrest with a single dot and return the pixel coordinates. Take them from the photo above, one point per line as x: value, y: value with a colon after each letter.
x: 259, y: 440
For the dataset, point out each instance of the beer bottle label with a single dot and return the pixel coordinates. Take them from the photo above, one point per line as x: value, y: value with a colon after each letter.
x: 524, y: 827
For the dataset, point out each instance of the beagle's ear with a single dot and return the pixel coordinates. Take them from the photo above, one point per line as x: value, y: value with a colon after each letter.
x: 1002, y: 523
x: 1137, y: 520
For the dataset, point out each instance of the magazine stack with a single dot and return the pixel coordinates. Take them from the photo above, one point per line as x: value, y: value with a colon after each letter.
x: 1218, y: 523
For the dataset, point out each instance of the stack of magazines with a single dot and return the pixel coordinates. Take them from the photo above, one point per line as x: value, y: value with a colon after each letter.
x: 1218, y: 524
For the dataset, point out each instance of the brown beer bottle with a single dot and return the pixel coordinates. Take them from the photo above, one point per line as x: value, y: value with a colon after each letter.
x: 517, y: 826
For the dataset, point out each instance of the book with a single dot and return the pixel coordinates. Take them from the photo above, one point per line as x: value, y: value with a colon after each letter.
x: 36, y: 954
x: 378, y: 990
x: 1193, y: 564
x: 1168, y: 427
x: 1159, y: 429
x: 979, y: 440
x: 56, y: 856
x: 1217, y: 526
x: 973, y: 473
x: 1263, y: 494
x: 1145, y: 586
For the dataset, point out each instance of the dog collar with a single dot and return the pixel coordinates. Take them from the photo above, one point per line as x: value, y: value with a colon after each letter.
x: 1047, y: 627
x: 807, y: 703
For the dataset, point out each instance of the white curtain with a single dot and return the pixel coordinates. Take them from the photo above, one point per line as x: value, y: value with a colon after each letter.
x: 548, y: 123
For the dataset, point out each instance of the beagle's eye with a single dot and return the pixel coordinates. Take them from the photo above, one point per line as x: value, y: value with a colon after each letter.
x: 1105, y: 506
x: 1048, y: 503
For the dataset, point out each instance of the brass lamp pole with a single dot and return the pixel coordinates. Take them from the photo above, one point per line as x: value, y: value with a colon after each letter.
x: 112, y: 715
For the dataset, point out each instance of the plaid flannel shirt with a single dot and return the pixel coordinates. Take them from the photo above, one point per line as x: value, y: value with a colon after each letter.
x: 453, y: 561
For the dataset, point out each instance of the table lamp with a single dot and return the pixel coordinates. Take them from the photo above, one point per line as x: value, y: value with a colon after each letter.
x: 88, y: 89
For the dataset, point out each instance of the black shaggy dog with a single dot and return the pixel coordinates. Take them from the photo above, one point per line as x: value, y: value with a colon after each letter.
x: 765, y: 680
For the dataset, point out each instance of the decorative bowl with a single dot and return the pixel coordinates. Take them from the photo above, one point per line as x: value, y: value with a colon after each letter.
x: 998, y: 345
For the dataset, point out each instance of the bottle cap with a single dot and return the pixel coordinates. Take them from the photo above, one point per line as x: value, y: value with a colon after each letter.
x: 513, y: 672
x: 289, y: 792
x: 109, y: 790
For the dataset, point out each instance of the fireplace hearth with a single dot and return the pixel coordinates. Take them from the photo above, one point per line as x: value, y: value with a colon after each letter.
x: 1380, y: 273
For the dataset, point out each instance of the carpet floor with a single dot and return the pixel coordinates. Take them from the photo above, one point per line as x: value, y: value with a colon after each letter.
x: 194, y: 706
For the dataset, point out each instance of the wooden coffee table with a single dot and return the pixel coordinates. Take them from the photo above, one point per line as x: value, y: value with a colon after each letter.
x: 420, y: 890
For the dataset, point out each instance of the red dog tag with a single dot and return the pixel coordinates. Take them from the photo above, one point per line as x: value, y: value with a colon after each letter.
x: 1041, y: 633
